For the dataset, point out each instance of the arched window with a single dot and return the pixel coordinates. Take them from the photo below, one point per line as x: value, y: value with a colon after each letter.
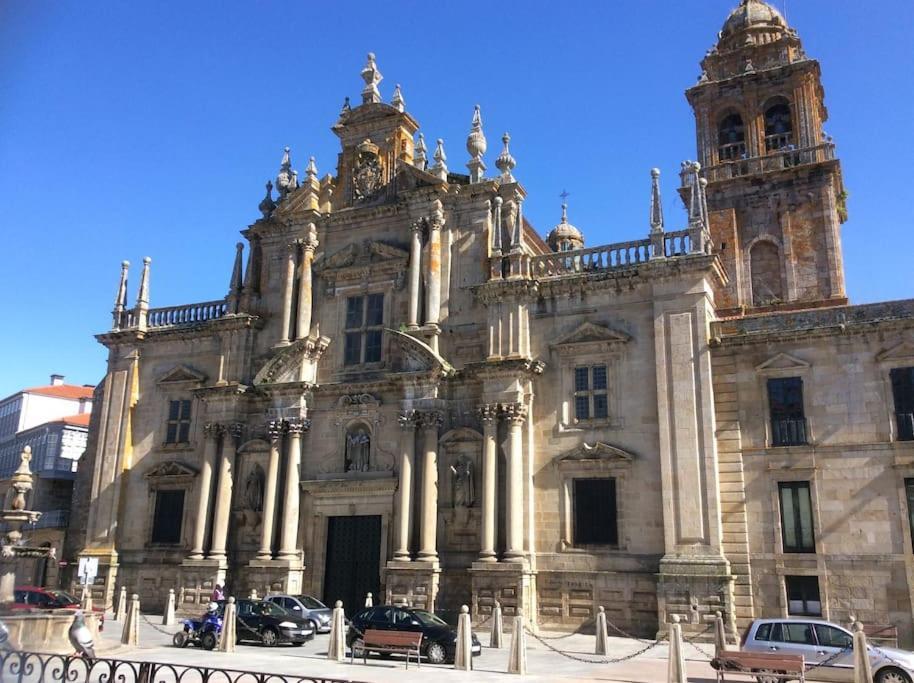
x: 765, y: 266
x: 778, y: 126
x: 731, y: 138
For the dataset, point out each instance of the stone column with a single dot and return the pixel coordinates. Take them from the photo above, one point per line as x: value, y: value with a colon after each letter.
x: 405, y: 490
x: 489, y: 416
x: 433, y: 294
x: 429, y: 422
x: 224, y: 491
x: 289, y: 539
x: 211, y: 434
x: 415, y: 258
x: 515, y: 414
x: 287, y: 294
x: 304, y: 283
x: 274, y: 429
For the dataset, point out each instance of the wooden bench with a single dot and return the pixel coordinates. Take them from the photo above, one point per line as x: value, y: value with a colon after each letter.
x: 392, y: 642
x: 750, y: 664
x: 880, y: 634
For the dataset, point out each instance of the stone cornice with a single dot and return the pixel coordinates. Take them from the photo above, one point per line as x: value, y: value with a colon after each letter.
x: 228, y: 323
x: 509, y: 367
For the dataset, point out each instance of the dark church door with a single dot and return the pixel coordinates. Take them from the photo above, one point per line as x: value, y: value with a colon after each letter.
x: 353, y: 561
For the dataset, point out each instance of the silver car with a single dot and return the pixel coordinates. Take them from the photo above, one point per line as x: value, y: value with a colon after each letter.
x: 827, y: 649
x: 306, y: 607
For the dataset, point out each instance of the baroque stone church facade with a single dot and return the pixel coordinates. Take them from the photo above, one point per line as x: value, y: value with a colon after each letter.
x: 408, y: 391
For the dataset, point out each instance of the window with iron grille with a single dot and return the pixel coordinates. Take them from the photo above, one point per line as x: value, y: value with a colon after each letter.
x: 591, y: 400
x: 595, y: 515
x: 168, y: 517
x: 903, y: 393
x: 364, y: 324
x: 803, y: 596
x: 785, y: 404
x: 178, y: 426
x: 796, y: 517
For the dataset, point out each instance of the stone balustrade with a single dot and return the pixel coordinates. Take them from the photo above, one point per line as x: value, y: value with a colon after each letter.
x: 776, y: 161
x: 174, y: 316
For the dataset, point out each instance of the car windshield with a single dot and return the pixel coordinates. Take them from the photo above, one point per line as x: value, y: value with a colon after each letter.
x: 268, y: 609
x: 310, y: 602
x: 428, y: 619
x: 60, y: 596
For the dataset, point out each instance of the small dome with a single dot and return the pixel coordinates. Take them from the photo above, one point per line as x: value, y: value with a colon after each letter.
x: 565, y: 234
x: 752, y: 14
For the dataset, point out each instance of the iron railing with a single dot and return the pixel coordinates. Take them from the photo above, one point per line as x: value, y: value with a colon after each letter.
x: 788, y: 431
x: 31, y: 667
x: 905, y: 422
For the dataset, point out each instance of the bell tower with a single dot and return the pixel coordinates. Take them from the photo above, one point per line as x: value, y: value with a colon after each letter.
x: 775, y: 195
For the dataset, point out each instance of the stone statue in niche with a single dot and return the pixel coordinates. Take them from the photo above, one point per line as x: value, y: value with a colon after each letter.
x: 358, y: 443
x: 463, y: 488
x: 253, y: 489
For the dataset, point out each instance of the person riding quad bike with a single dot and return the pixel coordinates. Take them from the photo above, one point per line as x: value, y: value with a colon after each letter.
x: 203, y: 631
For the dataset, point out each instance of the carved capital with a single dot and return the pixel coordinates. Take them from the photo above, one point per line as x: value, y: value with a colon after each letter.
x: 274, y: 430
x: 416, y: 226
x: 293, y: 246
x: 297, y: 425
x: 213, y: 430
x: 487, y: 413
x: 310, y: 242
x: 407, y: 419
x: 429, y: 419
x: 234, y: 430
x: 514, y: 413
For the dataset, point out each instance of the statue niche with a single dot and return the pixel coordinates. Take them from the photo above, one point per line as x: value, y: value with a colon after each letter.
x: 253, y: 489
x: 358, y: 448
x: 463, y: 487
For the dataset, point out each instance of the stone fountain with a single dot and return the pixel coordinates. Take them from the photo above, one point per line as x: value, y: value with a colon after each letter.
x: 41, y: 631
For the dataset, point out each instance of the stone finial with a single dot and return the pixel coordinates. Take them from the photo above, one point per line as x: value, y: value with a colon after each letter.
x: 656, y: 203
x: 505, y: 162
x: 142, y: 299
x: 476, y: 146
x: 267, y: 204
x: 311, y: 171
x: 420, y: 158
x: 372, y: 76
x: 496, y: 226
x: 235, y: 283
x: 286, y: 179
x: 696, y: 203
x: 120, y: 300
x: 397, y: 101
x: 440, y: 167
x: 344, y: 111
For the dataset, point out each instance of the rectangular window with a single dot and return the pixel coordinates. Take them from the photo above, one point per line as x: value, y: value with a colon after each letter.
x: 178, y: 427
x: 595, y: 518
x: 785, y: 403
x: 903, y: 393
x: 803, y: 596
x: 168, y: 516
x: 364, y: 326
x: 590, y: 393
x: 796, y: 517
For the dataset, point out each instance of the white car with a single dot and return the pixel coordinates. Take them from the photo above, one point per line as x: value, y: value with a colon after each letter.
x: 827, y: 650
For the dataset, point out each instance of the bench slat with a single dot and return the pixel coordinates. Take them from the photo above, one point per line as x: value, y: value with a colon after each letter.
x: 763, y: 660
x: 402, y: 638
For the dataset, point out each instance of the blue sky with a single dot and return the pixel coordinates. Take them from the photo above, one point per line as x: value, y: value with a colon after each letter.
x: 137, y: 128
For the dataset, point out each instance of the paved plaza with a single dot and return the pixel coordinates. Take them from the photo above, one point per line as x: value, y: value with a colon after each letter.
x: 543, y: 664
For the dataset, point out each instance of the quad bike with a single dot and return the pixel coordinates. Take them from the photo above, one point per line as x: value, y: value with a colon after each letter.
x: 203, y: 632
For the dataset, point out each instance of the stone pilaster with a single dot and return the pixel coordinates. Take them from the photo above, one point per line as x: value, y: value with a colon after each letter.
x: 288, y: 547
x: 515, y: 414
x: 429, y: 422
x: 488, y: 414
x: 305, y: 284
x: 224, y: 491
x: 433, y: 292
x: 415, y: 264
x: 274, y: 430
x: 211, y: 434
x: 288, y: 284
x: 405, y: 490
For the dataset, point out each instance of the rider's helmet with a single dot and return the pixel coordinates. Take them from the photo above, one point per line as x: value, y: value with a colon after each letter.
x: 212, y: 607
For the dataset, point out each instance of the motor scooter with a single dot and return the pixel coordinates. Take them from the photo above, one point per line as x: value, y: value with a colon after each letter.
x: 203, y: 632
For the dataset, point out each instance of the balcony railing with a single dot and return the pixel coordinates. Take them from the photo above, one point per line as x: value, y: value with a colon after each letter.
x: 905, y: 422
x: 732, y: 151
x: 173, y: 316
x: 788, y: 431
x: 775, y: 161
x: 779, y: 141
x: 607, y: 257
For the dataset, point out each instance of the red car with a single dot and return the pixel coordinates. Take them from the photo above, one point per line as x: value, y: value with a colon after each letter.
x: 33, y: 597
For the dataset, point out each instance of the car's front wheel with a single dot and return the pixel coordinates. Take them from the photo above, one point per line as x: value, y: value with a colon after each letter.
x: 313, y: 626
x: 435, y: 653
x: 269, y: 637
x: 892, y: 675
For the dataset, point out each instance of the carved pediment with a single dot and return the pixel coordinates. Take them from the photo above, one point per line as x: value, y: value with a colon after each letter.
x: 417, y: 356
x: 411, y: 178
x: 293, y: 363
x: 460, y: 435
x: 182, y: 373
x: 171, y: 469
x: 900, y: 352
x: 590, y: 334
x: 598, y: 452
x: 782, y: 362
x: 363, y: 254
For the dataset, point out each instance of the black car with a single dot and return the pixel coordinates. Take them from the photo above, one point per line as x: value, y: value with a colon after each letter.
x: 439, y: 640
x: 263, y: 622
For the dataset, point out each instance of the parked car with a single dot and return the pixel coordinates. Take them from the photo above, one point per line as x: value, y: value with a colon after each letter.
x: 827, y: 647
x: 306, y: 607
x: 264, y: 622
x: 439, y: 640
x: 33, y: 597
